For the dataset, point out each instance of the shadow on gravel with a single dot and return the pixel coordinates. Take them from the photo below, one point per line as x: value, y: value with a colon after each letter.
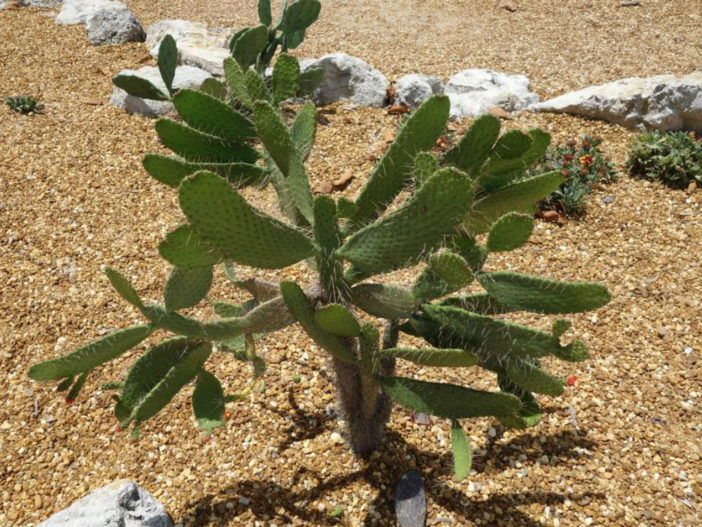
x: 269, y: 501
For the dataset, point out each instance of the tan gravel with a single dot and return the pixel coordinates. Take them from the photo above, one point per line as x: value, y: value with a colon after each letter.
x: 620, y: 448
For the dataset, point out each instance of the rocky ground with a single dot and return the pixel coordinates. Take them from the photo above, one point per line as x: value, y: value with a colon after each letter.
x: 621, y: 447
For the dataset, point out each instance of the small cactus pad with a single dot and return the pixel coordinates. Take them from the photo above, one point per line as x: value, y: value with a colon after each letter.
x: 338, y: 320
x: 208, y: 401
x: 212, y: 116
x: 448, y: 357
x: 462, y: 453
x: 510, y: 232
x: 186, y: 287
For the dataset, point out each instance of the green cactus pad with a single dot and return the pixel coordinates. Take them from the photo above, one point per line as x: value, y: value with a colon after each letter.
x: 384, y: 301
x: 228, y: 310
x: 541, y: 295
x: 174, y: 322
x: 177, y: 377
x: 238, y: 231
x: 303, y: 129
x: 576, y: 351
x: 198, y: 146
x: 94, y: 354
x: 480, y: 303
x: 139, y: 87
x: 447, y: 357
x: 425, y: 164
x: 65, y: 384
x: 300, y: 15
x: 509, y: 232
x: 462, y: 453
x: 184, y: 248
x: 521, y: 196
x: 488, y: 338
x: 451, y: 268
x: 256, y: 86
x: 208, y: 401
x: 168, y: 60
x: 77, y: 387
x: 309, y: 80
x: 468, y: 247
x: 234, y: 76
x: 403, y: 237
x: 285, y: 78
x: 148, y: 370
x: 418, y: 134
x: 369, y: 348
x: 345, y: 208
x: 531, y: 378
x: 214, y: 88
x: 278, y: 141
x: 530, y: 413
x: 269, y: 316
x: 264, y: 12
x: 448, y: 400
x: 249, y: 44
x: 338, y: 320
x: 212, y: 116
x: 123, y: 287
x: 476, y: 144
x: 303, y: 311
x: 560, y: 326
x: 187, y: 287
x: 172, y: 170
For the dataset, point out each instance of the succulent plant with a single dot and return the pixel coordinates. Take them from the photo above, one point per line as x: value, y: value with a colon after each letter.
x: 414, y: 210
x: 23, y: 104
x: 674, y: 158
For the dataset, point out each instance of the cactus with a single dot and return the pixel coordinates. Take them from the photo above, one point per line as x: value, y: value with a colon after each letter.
x: 478, y: 187
x: 23, y: 104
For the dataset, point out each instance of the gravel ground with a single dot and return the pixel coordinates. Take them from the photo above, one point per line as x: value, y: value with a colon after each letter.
x: 619, y: 448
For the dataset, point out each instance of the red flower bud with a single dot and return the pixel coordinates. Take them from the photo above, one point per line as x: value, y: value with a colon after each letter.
x: 571, y: 380
x: 227, y: 415
x: 118, y: 428
x: 207, y: 438
x: 69, y: 400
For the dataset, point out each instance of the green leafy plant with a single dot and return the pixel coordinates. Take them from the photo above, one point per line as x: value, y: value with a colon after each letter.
x: 440, y: 207
x: 23, y: 104
x: 674, y: 158
x: 583, y: 165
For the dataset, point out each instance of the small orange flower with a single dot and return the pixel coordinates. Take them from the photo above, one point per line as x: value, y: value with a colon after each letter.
x: 586, y: 160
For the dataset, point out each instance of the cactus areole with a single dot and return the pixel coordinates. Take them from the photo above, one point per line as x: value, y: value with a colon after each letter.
x: 235, y: 137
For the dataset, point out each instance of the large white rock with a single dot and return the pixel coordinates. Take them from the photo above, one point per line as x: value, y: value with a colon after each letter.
x: 207, y: 58
x: 664, y: 102
x: 114, y: 26
x: 412, y: 90
x: 119, y: 504
x: 474, y: 92
x: 195, y: 34
x: 78, y: 11
x: 185, y: 77
x: 39, y: 3
x: 347, y: 77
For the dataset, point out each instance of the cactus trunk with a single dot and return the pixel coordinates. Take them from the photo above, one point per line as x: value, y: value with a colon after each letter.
x: 365, y: 408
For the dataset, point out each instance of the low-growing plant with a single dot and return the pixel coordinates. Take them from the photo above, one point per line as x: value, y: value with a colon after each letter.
x: 583, y: 165
x: 416, y: 209
x: 24, y: 104
x: 674, y: 158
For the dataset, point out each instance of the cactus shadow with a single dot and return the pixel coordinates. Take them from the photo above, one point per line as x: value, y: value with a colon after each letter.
x: 288, y: 503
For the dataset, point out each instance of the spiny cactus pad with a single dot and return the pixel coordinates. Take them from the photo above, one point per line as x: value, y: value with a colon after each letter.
x: 235, y: 229
x: 212, y: 116
x: 443, y: 357
x: 406, y: 235
x: 171, y: 170
x: 186, y: 287
x: 509, y: 232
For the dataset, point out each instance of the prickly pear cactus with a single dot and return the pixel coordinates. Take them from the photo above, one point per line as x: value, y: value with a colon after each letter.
x: 222, y: 144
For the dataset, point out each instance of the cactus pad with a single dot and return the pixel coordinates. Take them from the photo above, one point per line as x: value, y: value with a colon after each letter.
x: 509, y: 232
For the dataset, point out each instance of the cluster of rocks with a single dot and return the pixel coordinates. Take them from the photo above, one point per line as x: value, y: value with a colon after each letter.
x: 664, y: 102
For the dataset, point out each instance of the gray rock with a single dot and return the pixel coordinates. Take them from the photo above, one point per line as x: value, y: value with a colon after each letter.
x: 186, y: 33
x: 114, y: 26
x: 2, y: 5
x: 78, y: 11
x: 49, y: 4
x: 474, y: 92
x: 120, y: 504
x: 210, y: 59
x: 347, y: 77
x: 664, y: 102
x: 411, y: 501
x: 185, y: 77
x: 412, y: 90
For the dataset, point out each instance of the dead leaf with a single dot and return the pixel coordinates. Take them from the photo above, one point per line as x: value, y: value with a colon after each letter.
x: 509, y: 6
x: 692, y: 187
x: 500, y: 112
x: 93, y: 102
x: 551, y: 216
x: 398, y: 110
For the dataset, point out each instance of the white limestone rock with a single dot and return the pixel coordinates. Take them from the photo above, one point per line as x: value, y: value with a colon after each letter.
x: 114, y: 26
x: 78, y: 11
x: 347, y: 77
x: 122, y: 503
x: 209, y: 59
x: 473, y: 92
x: 185, y: 77
x: 48, y: 4
x: 412, y: 90
x: 664, y: 102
